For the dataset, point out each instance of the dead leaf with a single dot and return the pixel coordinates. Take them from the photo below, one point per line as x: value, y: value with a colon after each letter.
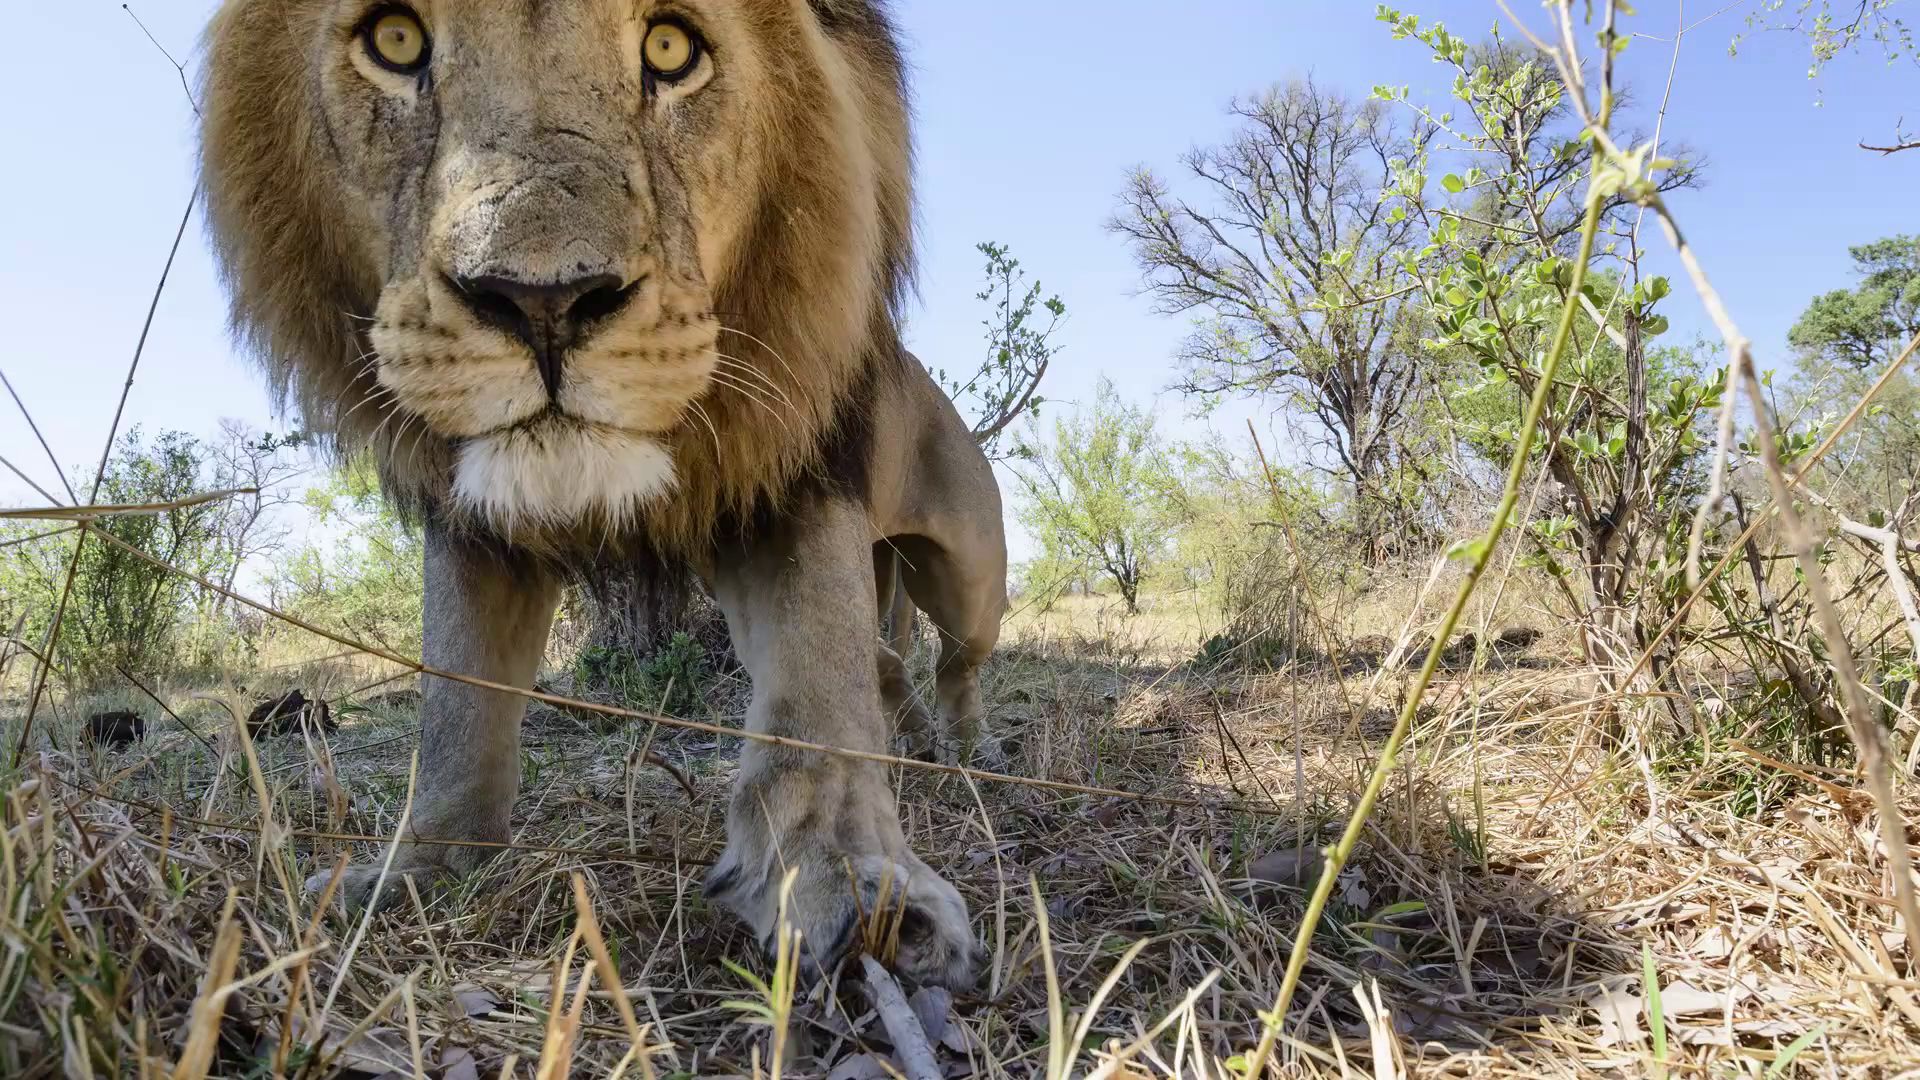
x: 473, y: 1001
x: 377, y: 1051
x: 861, y: 1067
x: 930, y: 1006
x: 1696, y: 1035
x: 1715, y: 944
x: 457, y: 1064
x: 1295, y: 868
x: 1618, y: 1010
x: 955, y: 1038
x: 1684, y: 999
x: 1771, y: 1029
x: 1423, y: 1022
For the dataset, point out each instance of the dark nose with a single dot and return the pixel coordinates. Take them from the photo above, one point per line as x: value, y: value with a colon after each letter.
x: 550, y: 318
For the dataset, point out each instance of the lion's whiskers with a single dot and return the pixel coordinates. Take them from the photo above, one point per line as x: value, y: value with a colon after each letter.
x: 752, y: 393
x: 747, y: 392
x: 393, y: 410
x: 775, y: 390
x: 418, y: 438
x: 379, y: 393
x: 771, y: 351
x: 701, y: 412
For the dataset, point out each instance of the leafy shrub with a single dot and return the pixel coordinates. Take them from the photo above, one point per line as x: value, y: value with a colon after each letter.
x: 362, y: 571
x: 672, y: 679
x: 123, y: 612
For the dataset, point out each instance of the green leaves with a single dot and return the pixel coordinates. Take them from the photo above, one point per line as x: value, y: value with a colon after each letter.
x: 1020, y: 347
x: 1866, y: 326
x: 1468, y: 551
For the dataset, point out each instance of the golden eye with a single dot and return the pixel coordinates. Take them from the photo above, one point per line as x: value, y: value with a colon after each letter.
x: 396, y: 40
x: 671, y: 51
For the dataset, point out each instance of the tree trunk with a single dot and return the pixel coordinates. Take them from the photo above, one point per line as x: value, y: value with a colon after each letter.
x: 636, y: 612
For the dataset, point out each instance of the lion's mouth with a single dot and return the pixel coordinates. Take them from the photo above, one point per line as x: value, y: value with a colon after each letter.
x: 550, y: 417
x: 556, y: 419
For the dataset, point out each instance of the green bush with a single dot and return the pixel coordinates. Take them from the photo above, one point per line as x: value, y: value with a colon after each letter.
x: 672, y: 680
x: 123, y: 612
x: 361, y: 572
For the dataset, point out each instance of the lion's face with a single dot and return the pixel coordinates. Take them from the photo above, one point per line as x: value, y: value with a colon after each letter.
x: 552, y: 187
x: 555, y: 261
x: 519, y: 229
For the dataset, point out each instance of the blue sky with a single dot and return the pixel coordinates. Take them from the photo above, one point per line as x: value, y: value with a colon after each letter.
x: 1029, y: 116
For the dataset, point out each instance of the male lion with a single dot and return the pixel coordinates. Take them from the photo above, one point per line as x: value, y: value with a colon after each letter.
x: 602, y: 279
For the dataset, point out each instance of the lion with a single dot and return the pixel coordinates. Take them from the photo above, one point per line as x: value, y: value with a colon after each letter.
x: 602, y: 281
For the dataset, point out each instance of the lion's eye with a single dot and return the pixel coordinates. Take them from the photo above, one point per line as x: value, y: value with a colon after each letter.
x: 397, y: 41
x: 670, y: 51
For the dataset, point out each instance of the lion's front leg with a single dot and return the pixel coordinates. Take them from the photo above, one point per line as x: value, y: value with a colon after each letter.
x: 800, y: 606
x: 486, y: 615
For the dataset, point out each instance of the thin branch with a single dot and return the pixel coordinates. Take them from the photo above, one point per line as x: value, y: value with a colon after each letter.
x: 99, y: 477
x: 1892, y: 148
x: 111, y: 510
x: 178, y: 67
x: 1337, y: 855
x: 17, y: 471
x: 50, y: 533
x: 57, y: 470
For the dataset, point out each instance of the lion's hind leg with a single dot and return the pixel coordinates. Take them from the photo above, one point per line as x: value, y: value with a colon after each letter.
x: 913, y: 729
x: 962, y: 587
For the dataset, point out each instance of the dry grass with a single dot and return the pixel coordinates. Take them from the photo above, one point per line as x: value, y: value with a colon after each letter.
x: 1515, y: 887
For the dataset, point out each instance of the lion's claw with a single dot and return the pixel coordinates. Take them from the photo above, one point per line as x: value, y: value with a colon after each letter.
x: 831, y: 903
x: 359, y: 882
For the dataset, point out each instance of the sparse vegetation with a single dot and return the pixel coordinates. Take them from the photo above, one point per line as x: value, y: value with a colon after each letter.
x: 1550, y: 708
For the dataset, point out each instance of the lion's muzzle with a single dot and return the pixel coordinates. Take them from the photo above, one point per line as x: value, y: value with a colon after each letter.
x: 550, y: 319
x: 539, y: 244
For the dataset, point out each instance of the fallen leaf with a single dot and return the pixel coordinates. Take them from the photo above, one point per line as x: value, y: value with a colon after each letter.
x: 930, y: 1006
x: 955, y: 1038
x: 1295, y: 868
x: 1684, y: 999
x: 1715, y: 944
x: 861, y: 1067
x: 1771, y: 1029
x: 458, y: 1064
x: 1618, y: 1011
x: 472, y: 1000
x: 377, y: 1051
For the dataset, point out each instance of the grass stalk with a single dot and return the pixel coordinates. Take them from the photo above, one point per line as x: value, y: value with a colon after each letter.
x: 1482, y: 552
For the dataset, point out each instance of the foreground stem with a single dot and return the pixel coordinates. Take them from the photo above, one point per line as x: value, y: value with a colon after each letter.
x: 1338, y: 855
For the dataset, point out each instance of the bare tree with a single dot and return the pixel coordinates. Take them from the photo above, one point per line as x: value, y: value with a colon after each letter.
x: 261, y: 465
x: 1291, y: 257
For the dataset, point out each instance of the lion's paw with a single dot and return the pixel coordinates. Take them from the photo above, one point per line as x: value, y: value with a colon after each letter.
x: 364, y: 885
x: 842, y: 903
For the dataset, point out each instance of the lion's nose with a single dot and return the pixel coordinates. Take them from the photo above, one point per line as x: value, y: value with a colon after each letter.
x: 550, y: 318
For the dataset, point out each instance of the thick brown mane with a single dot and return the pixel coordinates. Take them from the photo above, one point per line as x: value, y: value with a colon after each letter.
x: 813, y: 312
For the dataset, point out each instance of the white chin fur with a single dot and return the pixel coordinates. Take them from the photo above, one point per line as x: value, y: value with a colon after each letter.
x: 559, y: 475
